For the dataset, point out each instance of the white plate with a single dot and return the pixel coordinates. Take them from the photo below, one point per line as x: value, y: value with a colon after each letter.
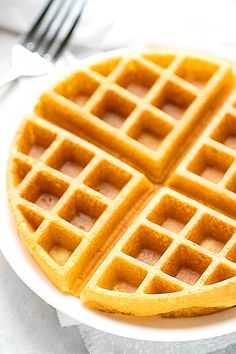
x: 150, y: 328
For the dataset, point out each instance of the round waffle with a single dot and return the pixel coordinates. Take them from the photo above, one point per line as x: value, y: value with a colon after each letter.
x: 121, y: 183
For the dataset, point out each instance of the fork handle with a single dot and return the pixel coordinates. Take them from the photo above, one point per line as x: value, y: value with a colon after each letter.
x: 9, y: 77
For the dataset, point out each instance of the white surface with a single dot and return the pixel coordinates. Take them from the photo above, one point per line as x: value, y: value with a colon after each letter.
x: 108, y: 24
x: 152, y: 328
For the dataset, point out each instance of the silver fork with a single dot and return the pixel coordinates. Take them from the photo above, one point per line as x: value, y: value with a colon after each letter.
x: 38, y: 49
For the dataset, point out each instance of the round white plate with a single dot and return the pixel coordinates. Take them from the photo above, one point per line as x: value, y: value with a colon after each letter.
x: 13, y: 103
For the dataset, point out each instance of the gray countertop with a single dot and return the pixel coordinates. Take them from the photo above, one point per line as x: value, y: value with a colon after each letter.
x: 28, y: 324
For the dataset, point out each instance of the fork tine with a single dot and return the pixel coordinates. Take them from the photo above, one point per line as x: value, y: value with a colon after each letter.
x: 62, y: 45
x: 50, y: 43
x: 49, y: 25
x: 36, y: 24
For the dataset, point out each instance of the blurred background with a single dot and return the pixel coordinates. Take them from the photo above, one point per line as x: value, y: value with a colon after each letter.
x: 109, y: 24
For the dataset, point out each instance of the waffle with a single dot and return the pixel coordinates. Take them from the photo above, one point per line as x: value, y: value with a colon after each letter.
x: 70, y: 200
x: 208, y: 171
x: 142, y: 109
x: 174, y: 255
x: 101, y: 190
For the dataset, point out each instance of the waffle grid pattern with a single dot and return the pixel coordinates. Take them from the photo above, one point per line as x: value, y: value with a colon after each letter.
x: 91, y: 221
x: 163, y: 267
x: 72, y: 194
x: 208, y: 171
x: 141, y: 108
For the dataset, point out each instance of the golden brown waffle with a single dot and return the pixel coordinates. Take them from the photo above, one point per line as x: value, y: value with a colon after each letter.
x: 140, y: 108
x: 81, y: 174
x: 70, y: 200
x: 208, y: 172
x: 174, y: 256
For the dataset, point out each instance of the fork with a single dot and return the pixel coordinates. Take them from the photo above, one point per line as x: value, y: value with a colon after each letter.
x: 42, y: 45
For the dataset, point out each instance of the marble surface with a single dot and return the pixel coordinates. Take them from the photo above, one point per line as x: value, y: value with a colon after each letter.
x: 27, y: 324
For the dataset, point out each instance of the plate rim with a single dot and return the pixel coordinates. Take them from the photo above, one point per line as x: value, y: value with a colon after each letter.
x: 28, y: 268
